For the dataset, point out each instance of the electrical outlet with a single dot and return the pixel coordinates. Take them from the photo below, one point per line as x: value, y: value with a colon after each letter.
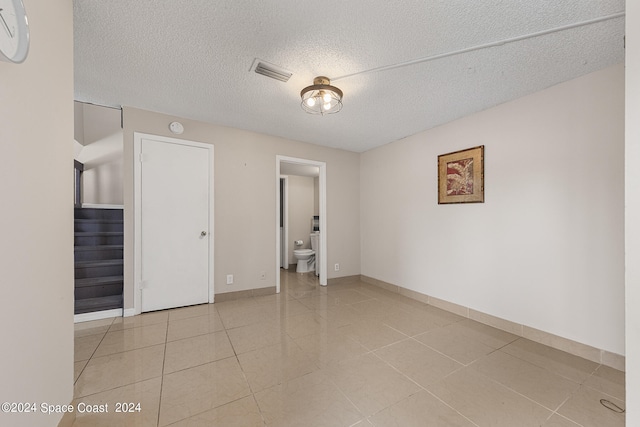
x: 263, y: 275
x: 337, y: 267
x: 229, y: 279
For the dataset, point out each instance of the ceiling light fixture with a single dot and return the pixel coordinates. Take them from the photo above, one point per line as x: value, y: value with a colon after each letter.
x: 321, y: 97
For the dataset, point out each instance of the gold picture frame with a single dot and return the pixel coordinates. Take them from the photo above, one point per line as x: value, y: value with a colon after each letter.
x: 461, y: 176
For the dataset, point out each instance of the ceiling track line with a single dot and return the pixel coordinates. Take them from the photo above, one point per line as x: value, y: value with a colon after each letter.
x: 98, y: 105
x: 483, y: 46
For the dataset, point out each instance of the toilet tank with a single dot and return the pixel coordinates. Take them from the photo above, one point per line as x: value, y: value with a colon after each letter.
x: 314, y: 240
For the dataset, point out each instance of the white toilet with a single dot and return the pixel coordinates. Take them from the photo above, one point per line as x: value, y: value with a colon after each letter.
x: 307, y: 257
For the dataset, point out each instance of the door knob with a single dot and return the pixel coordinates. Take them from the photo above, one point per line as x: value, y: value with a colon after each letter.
x: 203, y: 233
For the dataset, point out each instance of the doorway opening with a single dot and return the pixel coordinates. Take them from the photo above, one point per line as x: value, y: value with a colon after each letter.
x: 98, y: 212
x: 302, y: 167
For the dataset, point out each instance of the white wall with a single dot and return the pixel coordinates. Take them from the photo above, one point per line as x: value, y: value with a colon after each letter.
x: 301, y: 205
x: 632, y: 213
x: 316, y: 196
x: 245, y: 204
x: 101, y: 138
x: 546, y: 249
x: 36, y: 217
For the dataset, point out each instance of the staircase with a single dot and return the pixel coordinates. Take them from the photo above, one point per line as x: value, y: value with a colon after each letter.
x: 98, y: 259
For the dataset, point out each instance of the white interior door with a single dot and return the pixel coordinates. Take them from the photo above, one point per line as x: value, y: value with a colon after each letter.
x: 174, y: 203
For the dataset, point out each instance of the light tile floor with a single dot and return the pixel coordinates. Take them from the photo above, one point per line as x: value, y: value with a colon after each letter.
x: 350, y: 354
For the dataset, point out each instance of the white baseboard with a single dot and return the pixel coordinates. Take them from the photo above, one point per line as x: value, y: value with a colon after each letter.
x: 128, y: 312
x: 97, y: 315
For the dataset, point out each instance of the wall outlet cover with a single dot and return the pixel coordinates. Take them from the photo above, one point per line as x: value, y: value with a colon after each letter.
x: 229, y: 279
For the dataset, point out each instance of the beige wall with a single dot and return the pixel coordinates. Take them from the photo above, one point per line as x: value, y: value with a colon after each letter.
x: 301, y: 205
x: 100, y: 135
x: 632, y: 201
x: 245, y: 204
x: 546, y: 249
x: 36, y: 217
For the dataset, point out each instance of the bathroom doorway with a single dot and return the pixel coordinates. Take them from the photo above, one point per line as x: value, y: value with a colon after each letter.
x: 301, y: 167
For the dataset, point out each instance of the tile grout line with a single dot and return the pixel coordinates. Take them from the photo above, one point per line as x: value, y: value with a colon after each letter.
x: 552, y: 412
x: 464, y: 365
x: 206, y: 363
x: 131, y: 349
x: 255, y: 400
x: 555, y: 412
x: 345, y: 396
x: 452, y: 408
x: 244, y: 375
x: 164, y: 358
x: 519, y: 394
x: 321, y: 368
x: 117, y: 387
x: 94, y: 352
x: 545, y: 368
x: 111, y: 355
x: 423, y: 388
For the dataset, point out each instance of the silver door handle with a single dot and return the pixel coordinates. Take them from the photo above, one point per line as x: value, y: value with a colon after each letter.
x: 203, y: 233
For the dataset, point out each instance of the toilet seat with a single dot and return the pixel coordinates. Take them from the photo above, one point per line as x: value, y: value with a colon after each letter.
x: 306, y: 260
x: 303, y: 252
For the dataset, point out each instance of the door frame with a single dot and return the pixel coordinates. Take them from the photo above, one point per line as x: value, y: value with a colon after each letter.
x: 137, y: 192
x: 285, y: 217
x: 322, y: 189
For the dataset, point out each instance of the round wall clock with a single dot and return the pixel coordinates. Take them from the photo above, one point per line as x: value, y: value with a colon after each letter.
x: 14, y: 31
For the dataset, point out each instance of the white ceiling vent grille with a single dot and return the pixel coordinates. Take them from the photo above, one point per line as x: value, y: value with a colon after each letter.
x: 270, y: 70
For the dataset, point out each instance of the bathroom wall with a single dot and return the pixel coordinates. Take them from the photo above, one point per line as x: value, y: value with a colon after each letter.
x: 546, y: 249
x: 301, y: 209
x: 316, y: 196
x: 245, y: 204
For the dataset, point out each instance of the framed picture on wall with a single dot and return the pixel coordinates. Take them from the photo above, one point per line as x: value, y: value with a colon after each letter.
x: 461, y: 176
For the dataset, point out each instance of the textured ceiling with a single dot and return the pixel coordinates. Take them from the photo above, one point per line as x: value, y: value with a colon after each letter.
x: 404, y: 67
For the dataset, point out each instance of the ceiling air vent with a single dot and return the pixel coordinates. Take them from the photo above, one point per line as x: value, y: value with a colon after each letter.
x: 270, y: 70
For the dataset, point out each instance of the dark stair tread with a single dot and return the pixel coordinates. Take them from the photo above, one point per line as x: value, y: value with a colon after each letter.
x: 92, y: 245
x: 91, y: 213
x: 98, y: 220
x: 98, y: 281
x: 99, y: 263
x: 89, y: 305
x: 96, y: 225
x: 98, y: 248
x: 97, y: 233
